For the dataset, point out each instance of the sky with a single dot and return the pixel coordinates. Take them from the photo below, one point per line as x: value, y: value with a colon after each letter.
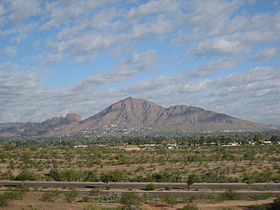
x: 61, y: 56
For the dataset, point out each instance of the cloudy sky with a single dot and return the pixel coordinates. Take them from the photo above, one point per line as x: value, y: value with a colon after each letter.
x: 60, y: 56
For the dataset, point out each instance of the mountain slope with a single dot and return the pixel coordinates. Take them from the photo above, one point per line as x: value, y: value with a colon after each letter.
x: 189, y: 119
x: 38, y: 129
x: 129, y: 112
x: 133, y: 114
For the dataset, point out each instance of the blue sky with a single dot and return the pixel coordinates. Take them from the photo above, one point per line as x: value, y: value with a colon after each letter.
x: 80, y: 56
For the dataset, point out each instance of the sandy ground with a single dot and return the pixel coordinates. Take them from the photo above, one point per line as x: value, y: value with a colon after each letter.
x: 234, y: 204
x: 33, y: 202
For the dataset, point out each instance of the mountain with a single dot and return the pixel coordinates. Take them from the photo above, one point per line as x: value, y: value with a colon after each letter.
x: 136, y: 116
x: 38, y: 129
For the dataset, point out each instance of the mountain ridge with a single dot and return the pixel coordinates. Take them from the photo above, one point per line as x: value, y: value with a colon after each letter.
x: 130, y: 115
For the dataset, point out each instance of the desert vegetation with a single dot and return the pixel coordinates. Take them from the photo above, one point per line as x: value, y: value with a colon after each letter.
x: 157, y: 163
x: 190, y: 161
x: 23, y: 198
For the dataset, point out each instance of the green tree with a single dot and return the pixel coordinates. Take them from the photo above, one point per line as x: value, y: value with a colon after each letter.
x: 191, y: 179
x: 249, y: 179
x: 112, y: 176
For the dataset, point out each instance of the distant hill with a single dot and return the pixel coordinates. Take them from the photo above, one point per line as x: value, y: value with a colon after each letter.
x: 37, y: 129
x: 136, y: 115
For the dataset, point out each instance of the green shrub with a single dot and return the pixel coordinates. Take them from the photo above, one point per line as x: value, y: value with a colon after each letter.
x: 170, y: 199
x: 190, y: 207
x: 85, y: 199
x: 90, y: 176
x: 5, y: 198
x: 15, y: 193
x: 130, y: 199
x: 112, y: 176
x: 231, y: 195
x: 27, y: 176
x: 93, y: 207
x: 70, y: 196
x: 151, y: 187
x: 260, y: 196
x: 95, y: 191
x: 49, y: 196
x: 191, y: 179
x: 276, y: 204
x: 18, y: 192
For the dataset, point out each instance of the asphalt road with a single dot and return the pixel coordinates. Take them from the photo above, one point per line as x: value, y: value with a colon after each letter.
x: 142, y: 186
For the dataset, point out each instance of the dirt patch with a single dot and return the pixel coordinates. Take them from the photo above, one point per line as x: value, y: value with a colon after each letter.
x: 238, y: 204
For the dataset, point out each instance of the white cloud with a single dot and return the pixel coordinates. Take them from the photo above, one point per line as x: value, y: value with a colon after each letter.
x: 10, y: 51
x: 204, y: 11
x: 158, y: 26
x: 154, y: 85
x: 86, y: 43
x: 84, y: 59
x: 21, y: 9
x: 53, y: 58
x: 210, y: 67
x: 59, y: 12
x: 2, y: 11
x: 220, y: 46
x: 124, y: 70
x: 8, y: 66
x: 154, y: 6
x: 266, y: 54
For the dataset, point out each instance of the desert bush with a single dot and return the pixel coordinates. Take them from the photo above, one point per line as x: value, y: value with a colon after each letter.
x: 93, y: 207
x: 231, y: 195
x: 85, y: 199
x: 5, y: 198
x: 151, y: 187
x: 27, y: 176
x: 90, y: 176
x: 130, y: 199
x: 164, y: 176
x: 15, y: 193
x: 95, y: 191
x: 190, y: 207
x: 18, y: 192
x: 260, y: 196
x: 71, y: 196
x: 258, y: 207
x: 70, y: 175
x: 112, y: 176
x: 170, y: 199
x: 191, y: 179
x: 276, y: 204
x: 50, y: 196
